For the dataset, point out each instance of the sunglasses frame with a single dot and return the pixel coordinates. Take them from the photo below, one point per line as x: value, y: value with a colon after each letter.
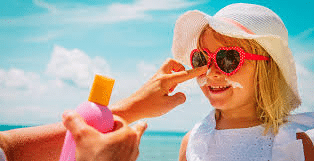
x: 242, y: 53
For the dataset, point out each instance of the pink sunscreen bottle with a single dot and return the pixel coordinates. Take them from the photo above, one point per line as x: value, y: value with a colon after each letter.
x: 94, y: 111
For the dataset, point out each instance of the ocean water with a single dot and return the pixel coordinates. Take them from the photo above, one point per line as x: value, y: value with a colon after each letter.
x: 160, y: 146
x: 10, y: 127
x: 154, y: 146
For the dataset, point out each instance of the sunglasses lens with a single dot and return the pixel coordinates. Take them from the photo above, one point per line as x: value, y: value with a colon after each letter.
x: 228, y: 60
x: 199, y: 59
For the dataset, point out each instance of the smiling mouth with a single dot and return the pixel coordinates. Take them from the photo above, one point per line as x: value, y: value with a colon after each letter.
x: 216, y: 89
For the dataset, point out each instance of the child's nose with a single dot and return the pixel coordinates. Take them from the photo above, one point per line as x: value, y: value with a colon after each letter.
x: 213, y: 72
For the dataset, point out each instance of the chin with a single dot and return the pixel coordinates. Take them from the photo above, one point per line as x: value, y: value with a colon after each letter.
x: 219, y: 105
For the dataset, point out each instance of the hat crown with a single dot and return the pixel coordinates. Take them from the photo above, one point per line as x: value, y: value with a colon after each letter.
x: 258, y: 19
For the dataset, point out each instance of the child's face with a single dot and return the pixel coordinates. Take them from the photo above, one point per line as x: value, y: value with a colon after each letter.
x: 241, y: 96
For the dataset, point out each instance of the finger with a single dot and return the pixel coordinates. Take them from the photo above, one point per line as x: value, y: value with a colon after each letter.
x: 178, y: 67
x: 140, y: 129
x: 70, y: 119
x: 76, y: 125
x: 171, y: 65
x: 182, y: 76
x: 176, y: 99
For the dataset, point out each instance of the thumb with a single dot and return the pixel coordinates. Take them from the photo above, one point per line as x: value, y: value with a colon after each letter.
x: 75, y: 124
x: 176, y: 99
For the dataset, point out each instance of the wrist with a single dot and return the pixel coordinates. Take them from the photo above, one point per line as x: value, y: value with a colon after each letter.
x: 125, y: 109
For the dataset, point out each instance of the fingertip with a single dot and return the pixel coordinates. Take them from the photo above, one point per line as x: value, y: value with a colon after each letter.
x: 181, y: 97
x: 202, y: 68
x: 177, y: 99
x: 68, y: 116
x: 183, y: 76
x: 144, y: 124
x: 66, y: 113
x: 197, y: 71
x: 141, y: 126
x: 70, y: 120
x: 73, y: 121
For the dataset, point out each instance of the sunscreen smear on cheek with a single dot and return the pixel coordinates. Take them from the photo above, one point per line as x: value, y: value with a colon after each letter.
x: 234, y: 84
x: 202, y: 80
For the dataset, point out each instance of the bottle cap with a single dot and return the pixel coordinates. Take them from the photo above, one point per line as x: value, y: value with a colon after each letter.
x: 101, y: 90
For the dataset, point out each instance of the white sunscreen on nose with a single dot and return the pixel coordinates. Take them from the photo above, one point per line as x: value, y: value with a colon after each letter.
x: 202, y: 80
x: 208, y: 71
x: 234, y: 84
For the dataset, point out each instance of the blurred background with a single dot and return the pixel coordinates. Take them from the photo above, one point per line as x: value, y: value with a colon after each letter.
x: 51, y: 49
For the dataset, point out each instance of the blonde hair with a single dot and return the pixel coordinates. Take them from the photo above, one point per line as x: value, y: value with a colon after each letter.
x: 270, y: 85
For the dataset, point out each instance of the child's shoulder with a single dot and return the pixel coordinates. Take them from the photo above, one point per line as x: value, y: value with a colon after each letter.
x: 184, y: 144
x: 185, y: 140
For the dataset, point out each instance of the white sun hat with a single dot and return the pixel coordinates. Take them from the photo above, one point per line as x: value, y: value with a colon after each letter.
x: 240, y: 20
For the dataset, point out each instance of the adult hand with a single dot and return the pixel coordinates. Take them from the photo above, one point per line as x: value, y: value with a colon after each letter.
x: 153, y: 98
x: 120, y: 145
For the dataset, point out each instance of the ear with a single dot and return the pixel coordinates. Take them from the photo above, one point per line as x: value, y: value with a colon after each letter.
x: 308, y: 146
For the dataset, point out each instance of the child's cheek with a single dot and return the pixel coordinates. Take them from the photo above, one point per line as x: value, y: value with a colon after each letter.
x: 233, y: 83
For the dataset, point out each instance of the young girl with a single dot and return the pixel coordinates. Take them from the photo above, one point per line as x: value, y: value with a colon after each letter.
x: 251, y: 82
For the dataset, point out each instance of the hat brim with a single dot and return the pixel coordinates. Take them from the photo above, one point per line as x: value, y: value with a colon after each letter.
x: 190, y: 25
x: 186, y: 33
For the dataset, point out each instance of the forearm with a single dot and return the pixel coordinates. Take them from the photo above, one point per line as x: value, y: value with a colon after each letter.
x: 45, y: 142
x: 34, y: 143
x: 153, y: 99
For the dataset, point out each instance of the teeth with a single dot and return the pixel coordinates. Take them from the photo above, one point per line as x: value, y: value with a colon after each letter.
x: 219, y: 87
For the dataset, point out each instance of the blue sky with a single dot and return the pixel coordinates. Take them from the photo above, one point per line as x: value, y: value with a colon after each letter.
x: 51, y: 49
